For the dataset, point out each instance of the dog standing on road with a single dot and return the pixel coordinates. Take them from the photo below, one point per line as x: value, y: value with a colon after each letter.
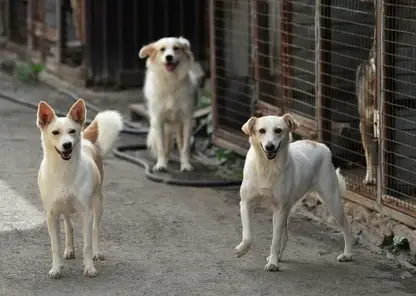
x: 279, y: 174
x: 169, y: 89
x: 71, y: 176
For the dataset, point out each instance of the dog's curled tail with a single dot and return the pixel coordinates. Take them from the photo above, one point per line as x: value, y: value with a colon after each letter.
x: 341, y: 182
x: 103, y: 131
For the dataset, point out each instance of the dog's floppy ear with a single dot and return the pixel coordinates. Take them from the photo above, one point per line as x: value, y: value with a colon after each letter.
x: 186, y: 46
x: 45, y: 115
x: 291, y: 123
x: 248, y: 127
x: 78, y: 112
x: 147, y: 51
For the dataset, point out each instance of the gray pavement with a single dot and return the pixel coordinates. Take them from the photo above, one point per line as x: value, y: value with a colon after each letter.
x: 164, y: 240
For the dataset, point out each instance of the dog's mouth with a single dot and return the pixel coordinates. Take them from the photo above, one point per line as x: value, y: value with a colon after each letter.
x: 65, y: 155
x: 271, y: 154
x: 171, y: 66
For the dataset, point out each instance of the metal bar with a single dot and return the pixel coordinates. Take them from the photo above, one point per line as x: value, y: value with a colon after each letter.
x: 213, y: 60
x: 89, y: 45
x: 285, y: 52
x: 59, y: 32
x: 379, y: 100
x: 318, y: 65
x: 104, y: 32
x: 7, y: 19
x: 325, y: 70
x: 387, y: 108
x: 254, y: 56
x: 29, y: 24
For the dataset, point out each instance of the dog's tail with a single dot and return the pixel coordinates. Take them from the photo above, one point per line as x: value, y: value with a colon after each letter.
x: 341, y: 182
x: 103, y: 131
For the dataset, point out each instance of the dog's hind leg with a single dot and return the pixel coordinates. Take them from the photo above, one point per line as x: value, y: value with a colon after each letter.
x: 69, y: 252
x: 87, y: 227
x: 98, y: 211
x: 329, y: 191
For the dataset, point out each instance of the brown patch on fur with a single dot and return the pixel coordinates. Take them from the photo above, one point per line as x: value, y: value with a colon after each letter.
x: 91, y: 132
x: 95, y: 154
x: 310, y: 142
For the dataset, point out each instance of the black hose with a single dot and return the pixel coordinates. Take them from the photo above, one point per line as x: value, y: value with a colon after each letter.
x: 119, y: 151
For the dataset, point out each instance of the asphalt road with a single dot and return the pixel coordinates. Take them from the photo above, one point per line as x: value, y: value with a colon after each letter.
x: 164, y: 240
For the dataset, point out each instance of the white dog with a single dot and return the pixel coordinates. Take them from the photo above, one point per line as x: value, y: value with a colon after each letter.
x: 71, y: 176
x: 170, y: 93
x: 280, y: 173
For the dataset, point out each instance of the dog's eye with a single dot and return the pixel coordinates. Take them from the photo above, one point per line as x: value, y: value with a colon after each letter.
x: 72, y: 131
x: 278, y: 130
x: 55, y: 133
x: 262, y: 131
x: 162, y: 49
x: 175, y: 48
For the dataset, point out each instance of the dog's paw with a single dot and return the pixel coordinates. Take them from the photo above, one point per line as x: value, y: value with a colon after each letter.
x: 344, y: 257
x: 186, y: 167
x: 369, y: 181
x: 98, y: 256
x: 241, y: 249
x: 160, y: 168
x: 69, y: 254
x: 55, y: 273
x: 90, y: 272
x: 271, y: 267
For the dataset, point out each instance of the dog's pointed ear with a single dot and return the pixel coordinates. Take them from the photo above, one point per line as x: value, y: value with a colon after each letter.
x: 248, y: 127
x: 45, y: 115
x: 78, y: 112
x: 146, y: 51
x: 291, y: 122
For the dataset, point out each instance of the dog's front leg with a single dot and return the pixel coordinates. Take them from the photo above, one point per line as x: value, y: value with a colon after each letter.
x: 279, y: 220
x: 185, y: 153
x: 89, y: 269
x: 245, y: 244
x: 54, y: 230
x: 161, y: 164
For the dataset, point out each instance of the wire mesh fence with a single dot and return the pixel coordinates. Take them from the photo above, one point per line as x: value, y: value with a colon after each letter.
x: 399, y: 103
x: 344, y: 68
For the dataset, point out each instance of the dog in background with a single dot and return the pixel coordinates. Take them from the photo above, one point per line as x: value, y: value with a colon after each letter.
x: 366, y: 97
x: 170, y: 87
x: 279, y: 173
x: 70, y: 177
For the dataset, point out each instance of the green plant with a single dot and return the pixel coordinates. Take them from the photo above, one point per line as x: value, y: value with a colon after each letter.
x: 29, y: 73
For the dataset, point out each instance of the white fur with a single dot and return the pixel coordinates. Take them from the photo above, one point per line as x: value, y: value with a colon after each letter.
x: 297, y: 168
x: 170, y: 97
x: 110, y: 123
x: 74, y: 185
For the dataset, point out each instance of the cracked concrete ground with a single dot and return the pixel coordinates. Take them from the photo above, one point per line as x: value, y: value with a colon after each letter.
x: 164, y: 240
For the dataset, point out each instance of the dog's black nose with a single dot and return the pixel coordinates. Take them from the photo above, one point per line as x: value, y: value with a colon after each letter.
x: 169, y: 58
x: 269, y: 147
x: 67, y: 145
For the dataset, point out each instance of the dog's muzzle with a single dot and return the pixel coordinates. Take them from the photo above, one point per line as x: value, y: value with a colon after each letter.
x: 65, y: 155
x: 270, y: 151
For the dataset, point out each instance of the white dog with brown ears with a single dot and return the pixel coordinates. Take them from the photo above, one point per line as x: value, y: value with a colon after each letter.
x: 169, y: 89
x: 279, y: 173
x: 70, y: 177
